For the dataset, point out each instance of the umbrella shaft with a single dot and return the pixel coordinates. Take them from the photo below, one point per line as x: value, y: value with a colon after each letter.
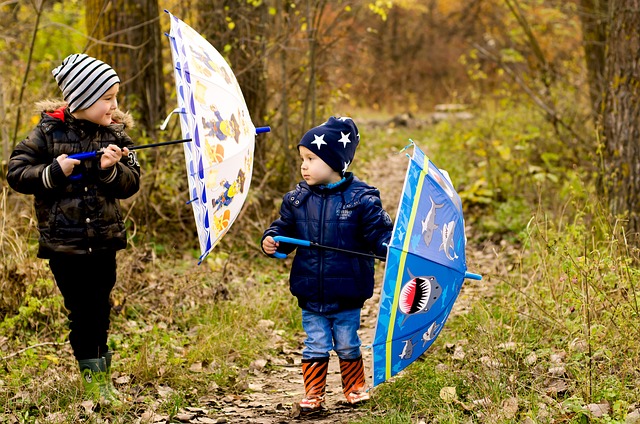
x: 350, y: 252
x: 165, y: 143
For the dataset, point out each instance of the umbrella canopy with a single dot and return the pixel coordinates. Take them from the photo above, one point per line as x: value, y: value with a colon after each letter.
x: 425, y: 268
x: 214, y: 115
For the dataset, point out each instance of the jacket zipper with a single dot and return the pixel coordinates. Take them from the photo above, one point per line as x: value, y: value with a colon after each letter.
x: 321, y: 253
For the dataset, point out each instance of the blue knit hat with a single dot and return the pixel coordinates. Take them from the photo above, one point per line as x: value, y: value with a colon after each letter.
x: 83, y: 80
x: 334, y: 142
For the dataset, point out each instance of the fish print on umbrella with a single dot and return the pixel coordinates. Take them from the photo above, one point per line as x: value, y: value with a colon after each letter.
x: 418, y: 295
x: 447, y: 241
x: 429, y: 223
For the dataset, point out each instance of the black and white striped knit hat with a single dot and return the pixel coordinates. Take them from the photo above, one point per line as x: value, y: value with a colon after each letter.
x: 83, y: 80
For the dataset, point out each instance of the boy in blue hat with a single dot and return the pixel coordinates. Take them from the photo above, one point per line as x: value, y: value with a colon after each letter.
x: 331, y: 207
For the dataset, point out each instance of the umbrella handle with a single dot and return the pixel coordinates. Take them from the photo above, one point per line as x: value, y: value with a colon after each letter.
x: 472, y: 276
x: 85, y: 155
x: 82, y: 156
x: 260, y: 130
x: 284, y: 239
x: 290, y: 240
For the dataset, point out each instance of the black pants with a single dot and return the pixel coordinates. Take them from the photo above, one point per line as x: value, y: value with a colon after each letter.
x: 85, y: 282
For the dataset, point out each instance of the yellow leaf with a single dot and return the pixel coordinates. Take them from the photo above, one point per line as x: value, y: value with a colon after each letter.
x: 52, y: 358
x: 448, y: 394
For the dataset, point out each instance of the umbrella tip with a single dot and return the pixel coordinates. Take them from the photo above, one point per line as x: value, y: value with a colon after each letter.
x: 472, y: 276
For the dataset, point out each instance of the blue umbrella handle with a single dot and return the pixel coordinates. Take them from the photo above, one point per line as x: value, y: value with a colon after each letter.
x: 291, y: 240
x: 260, y: 130
x: 284, y: 239
x: 472, y: 276
x: 85, y: 155
x: 82, y: 156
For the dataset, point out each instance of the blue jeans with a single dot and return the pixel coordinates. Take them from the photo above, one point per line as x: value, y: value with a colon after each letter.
x: 337, y: 331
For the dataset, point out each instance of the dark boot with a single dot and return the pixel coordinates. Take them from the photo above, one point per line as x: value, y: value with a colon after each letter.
x: 114, y: 392
x: 93, y: 373
x: 314, y: 373
x: 353, y: 380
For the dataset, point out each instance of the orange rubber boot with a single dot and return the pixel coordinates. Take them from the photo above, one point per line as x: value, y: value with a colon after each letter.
x: 353, y: 380
x: 314, y: 373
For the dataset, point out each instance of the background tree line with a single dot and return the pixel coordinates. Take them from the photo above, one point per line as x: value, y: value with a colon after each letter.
x: 299, y: 61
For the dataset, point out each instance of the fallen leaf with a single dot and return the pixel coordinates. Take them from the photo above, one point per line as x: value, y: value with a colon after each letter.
x: 510, y: 408
x: 195, y: 410
x: 266, y: 324
x: 165, y: 391
x: 88, y: 406
x: 531, y: 358
x: 508, y: 346
x: 598, y: 410
x: 448, y: 394
x: 258, y: 364
x: 196, y: 367
x: 125, y: 379
x: 557, y: 387
x: 557, y: 371
x: 490, y: 362
x: 633, y: 417
x: 458, y: 354
x: 184, y: 417
x: 482, y: 402
x: 255, y: 387
x: 206, y: 420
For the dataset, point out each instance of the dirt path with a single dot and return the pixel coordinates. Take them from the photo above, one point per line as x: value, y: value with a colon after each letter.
x: 276, y: 383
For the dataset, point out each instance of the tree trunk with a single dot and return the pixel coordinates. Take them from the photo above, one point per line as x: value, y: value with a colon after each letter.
x: 621, y: 118
x: 593, y: 16
x: 234, y: 29
x: 126, y: 35
x: 237, y: 30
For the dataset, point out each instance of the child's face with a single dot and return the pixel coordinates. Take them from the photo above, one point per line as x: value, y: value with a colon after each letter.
x: 314, y: 170
x: 100, y: 112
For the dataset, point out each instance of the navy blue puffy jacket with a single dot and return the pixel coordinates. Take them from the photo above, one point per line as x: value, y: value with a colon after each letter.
x: 349, y: 216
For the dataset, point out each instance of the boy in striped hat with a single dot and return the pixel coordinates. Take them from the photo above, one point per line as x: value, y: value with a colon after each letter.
x: 79, y: 218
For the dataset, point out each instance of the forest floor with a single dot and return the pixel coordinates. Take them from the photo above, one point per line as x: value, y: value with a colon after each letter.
x: 276, y: 383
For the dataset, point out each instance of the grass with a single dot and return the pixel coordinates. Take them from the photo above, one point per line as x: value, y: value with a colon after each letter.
x: 551, y: 329
x: 559, y: 334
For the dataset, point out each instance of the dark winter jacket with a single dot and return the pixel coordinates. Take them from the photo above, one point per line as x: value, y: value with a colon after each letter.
x: 349, y: 216
x: 75, y: 216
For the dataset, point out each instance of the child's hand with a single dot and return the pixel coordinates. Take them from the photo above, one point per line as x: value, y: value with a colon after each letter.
x: 269, y: 245
x: 112, y: 155
x: 67, y: 164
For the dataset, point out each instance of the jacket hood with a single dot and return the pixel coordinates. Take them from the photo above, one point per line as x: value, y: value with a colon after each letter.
x: 50, y: 105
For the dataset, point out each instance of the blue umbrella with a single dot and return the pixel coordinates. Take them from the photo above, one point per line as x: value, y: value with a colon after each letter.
x: 425, y: 268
